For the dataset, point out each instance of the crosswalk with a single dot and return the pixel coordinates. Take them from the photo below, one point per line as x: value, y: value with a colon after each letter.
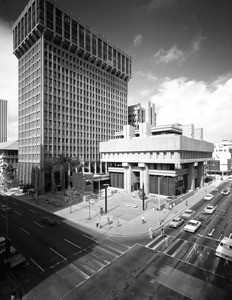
x: 84, y: 264
x: 193, y: 253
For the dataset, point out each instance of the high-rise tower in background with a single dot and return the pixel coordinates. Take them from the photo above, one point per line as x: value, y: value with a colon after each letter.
x: 73, y: 87
x: 140, y: 113
x: 3, y: 121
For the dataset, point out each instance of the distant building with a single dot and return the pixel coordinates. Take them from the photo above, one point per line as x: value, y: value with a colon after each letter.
x: 73, y: 86
x: 140, y: 113
x: 8, y: 154
x: 167, y: 159
x: 222, y: 158
x: 3, y: 121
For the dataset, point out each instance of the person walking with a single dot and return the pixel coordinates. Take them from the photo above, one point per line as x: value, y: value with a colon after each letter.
x: 143, y: 219
x: 118, y: 223
x: 151, y: 233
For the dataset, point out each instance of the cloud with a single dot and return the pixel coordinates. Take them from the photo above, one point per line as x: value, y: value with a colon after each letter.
x: 9, y: 77
x: 138, y: 39
x: 196, y: 43
x: 174, y: 54
x: 158, y: 4
x: 206, y: 105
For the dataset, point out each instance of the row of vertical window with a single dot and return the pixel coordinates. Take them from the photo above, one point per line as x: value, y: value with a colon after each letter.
x: 71, y: 30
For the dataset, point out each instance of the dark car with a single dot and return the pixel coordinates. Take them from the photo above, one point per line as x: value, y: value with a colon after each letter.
x: 49, y: 221
x: 6, y: 208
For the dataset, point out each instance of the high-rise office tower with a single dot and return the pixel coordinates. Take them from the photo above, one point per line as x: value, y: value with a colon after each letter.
x: 3, y: 121
x: 73, y: 87
x: 140, y: 113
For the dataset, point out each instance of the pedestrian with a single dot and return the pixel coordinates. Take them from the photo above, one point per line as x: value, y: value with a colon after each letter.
x: 186, y: 202
x: 12, y: 297
x: 143, y: 219
x: 118, y: 223
x: 151, y: 233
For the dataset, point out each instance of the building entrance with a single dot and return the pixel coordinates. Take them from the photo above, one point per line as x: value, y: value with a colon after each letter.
x: 135, y: 181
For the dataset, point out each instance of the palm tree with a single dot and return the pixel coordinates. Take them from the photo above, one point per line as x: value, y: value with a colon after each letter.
x: 9, y: 170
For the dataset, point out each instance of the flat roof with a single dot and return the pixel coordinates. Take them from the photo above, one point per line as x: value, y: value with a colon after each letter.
x: 10, y: 145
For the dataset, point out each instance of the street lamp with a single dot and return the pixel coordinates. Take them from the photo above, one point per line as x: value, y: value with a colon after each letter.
x: 105, y: 186
x: 159, y: 185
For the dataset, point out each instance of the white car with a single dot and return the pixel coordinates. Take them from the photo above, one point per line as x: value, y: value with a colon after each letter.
x: 225, y: 191
x: 187, y: 213
x: 176, y: 222
x: 208, y: 197
x: 210, y: 209
x: 192, y: 226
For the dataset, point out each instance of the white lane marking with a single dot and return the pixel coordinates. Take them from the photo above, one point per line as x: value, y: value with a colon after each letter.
x: 72, y: 243
x: 18, y: 213
x: 90, y: 238
x: 15, y: 203
x: 37, y: 265
x: 24, y: 230
x: 57, y: 253
x: 34, y: 212
x: 38, y: 224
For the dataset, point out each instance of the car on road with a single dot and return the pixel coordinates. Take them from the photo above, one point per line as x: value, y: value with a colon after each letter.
x: 176, y: 222
x: 210, y: 209
x: 208, y: 197
x: 192, y: 226
x: 5, y: 208
x: 225, y: 191
x: 187, y: 213
x: 49, y: 221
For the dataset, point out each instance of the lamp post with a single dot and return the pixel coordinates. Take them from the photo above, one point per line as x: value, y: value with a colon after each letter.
x: 159, y: 185
x: 105, y: 186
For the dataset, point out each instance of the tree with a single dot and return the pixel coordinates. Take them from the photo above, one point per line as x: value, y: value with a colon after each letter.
x: 50, y: 167
x: 70, y: 195
x: 9, y: 172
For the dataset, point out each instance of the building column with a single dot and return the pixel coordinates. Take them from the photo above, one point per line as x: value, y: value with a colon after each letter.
x: 191, y: 177
x: 200, y: 174
x: 144, y: 177
x: 127, y: 176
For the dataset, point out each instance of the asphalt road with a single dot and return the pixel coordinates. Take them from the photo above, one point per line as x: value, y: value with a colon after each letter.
x: 52, y: 251
x: 181, y: 265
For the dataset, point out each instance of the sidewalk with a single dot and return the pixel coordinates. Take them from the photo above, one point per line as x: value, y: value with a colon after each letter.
x: 124, y: 216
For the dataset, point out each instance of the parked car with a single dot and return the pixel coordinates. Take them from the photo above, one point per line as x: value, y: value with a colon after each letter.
x: 176, y: 222
x: 210, y: 209
x: 208, y: 197
x: 192, y: 226
x: 187, y: 213
x: 225, y: 191
x: 49, y: 221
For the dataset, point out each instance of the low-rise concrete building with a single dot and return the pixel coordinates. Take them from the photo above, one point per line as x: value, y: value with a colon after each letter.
x: 167, y: 160
x: 222, y: 159
x: 8, y: 154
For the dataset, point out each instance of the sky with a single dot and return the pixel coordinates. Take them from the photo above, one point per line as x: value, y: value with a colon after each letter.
x: 181, y: 54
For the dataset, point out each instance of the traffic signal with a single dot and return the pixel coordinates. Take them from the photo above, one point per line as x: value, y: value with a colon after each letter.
x: 101, y: 210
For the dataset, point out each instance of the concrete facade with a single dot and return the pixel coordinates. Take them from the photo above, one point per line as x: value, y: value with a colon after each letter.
x: 222, y: 158
x: 8, y: 154
x: 73, y: 87
x: 3, y: 121
x: 140, y: 113
x: 161, y: 158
